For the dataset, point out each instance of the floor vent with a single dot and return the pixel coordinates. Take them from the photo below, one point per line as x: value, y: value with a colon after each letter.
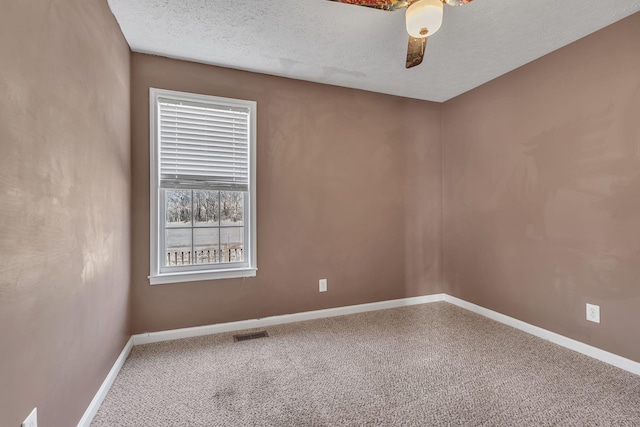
x: 250, y: 336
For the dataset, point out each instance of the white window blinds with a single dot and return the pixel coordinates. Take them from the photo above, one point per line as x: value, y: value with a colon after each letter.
x: 203, y: 146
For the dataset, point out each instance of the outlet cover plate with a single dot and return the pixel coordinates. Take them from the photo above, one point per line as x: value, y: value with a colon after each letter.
x: 323, y: 285
x: 593, y: 313
x: 32, y: 419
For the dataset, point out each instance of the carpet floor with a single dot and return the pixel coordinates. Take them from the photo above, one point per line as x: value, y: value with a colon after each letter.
x: 425, y: 365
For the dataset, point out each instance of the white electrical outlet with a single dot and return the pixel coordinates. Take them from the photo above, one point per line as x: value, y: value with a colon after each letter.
x: 593, y: 313
x: 32, y: 419
x: 323, y: 285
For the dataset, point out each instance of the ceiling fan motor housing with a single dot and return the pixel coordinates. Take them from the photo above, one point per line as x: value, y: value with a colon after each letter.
x: 424, y: 18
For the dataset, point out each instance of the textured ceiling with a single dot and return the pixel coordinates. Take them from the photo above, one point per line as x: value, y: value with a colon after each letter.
x: 359, y: 47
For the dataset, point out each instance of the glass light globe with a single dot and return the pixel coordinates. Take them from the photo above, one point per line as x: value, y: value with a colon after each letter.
x: 424, y: 18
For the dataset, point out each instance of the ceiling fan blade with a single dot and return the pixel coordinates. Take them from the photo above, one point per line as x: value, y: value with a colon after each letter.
x: 415, y: 51
x: 457, y: 2
x: 388, y: 5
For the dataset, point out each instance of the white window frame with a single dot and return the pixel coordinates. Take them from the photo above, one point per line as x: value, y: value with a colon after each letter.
x: 160, y: 275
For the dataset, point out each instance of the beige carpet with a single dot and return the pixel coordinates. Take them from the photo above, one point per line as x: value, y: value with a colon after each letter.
x: 432, y: 364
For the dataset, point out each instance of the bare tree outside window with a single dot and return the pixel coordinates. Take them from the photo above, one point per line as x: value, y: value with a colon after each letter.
x: 203, y: 227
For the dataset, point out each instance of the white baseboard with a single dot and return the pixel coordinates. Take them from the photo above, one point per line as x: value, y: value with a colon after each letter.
x: 91, y: 411
x: 147, y: 338
x: 580, y: 347
x: 197, y: 331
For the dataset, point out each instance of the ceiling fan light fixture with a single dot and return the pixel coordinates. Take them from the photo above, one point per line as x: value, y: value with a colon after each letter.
x: 424, y: 18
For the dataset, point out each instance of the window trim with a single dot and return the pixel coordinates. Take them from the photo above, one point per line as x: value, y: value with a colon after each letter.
x: 157, y: 277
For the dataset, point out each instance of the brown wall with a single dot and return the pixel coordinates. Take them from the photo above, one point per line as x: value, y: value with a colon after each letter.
x: 541, y: 183
x: 64, y: 207
x: 349, y: 189
x: 542, y: 191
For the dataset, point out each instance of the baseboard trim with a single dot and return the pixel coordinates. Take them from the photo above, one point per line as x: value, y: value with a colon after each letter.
x: 147, y: 338
x: 91, y: 411
x: 175, y: 334
x: 580, y: 347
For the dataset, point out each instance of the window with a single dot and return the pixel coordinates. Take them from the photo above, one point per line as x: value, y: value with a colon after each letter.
x: 202, y: 187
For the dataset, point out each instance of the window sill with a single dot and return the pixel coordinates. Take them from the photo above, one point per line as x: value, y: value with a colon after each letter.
x: 195, y: 276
